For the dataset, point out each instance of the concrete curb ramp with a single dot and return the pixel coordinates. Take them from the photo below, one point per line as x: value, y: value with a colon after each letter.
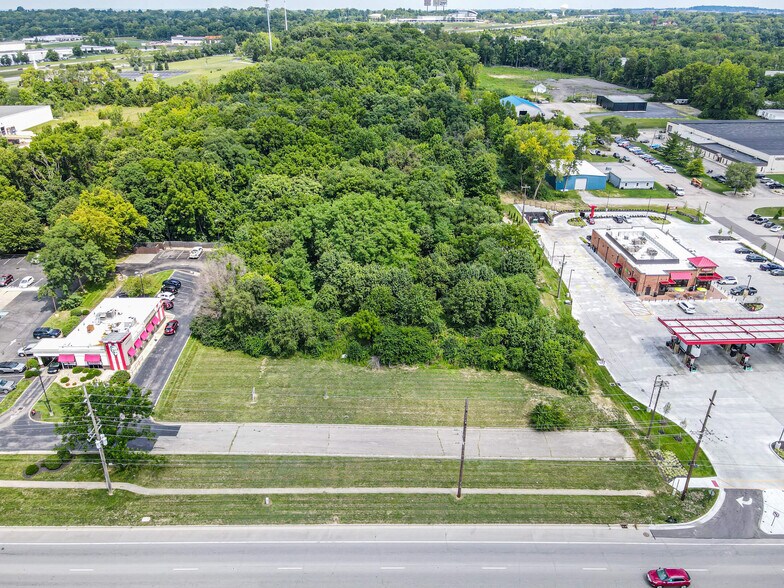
x: 250, y: 491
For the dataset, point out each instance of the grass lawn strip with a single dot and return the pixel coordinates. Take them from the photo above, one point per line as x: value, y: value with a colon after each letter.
x: 214, y: 385
x: 261, y: 471
x: 658, y: 191
x: 95, y: 507
x: 771, y: 212
x: 505, y: 80
x: 9, y: 399
x: 56, y: 394
x: 152, y: 282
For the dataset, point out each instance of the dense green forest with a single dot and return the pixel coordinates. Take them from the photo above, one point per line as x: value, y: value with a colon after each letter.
x: 354, y: 178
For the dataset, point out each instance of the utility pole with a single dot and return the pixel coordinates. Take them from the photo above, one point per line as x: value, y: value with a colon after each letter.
x: 100, y: 440
x: 697, y: 447
x: 524, y: 190
x: 666, y: 210
x: 569, y: 284
x: 661, y: 384
x: 775, y: 253
x: 560, y: 277
x: 269, y: 29
x: 462, y: 452
x: 552, y: 255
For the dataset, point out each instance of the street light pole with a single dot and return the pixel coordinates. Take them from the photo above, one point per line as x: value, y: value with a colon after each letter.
x: 560, y: 278
x: 569, y: 284
x: 552, y: 256
x: 46, y: 398
x: 777, y: 246
x: 746, y: 291
x: 140, y: 275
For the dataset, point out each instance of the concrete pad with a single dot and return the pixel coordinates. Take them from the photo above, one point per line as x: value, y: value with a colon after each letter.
x: 140, y: 258
x: 387, y: 441
x: 7, y: 295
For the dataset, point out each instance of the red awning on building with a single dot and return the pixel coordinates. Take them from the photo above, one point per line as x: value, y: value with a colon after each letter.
x: 709, y: 277
x: 150, y: 327
x: 66, y: 358
x: 680, y: 276
x: 632, y: 280
x: 667, y: 283
x: 132, y: 352
x: 702, y: 262
x: 616, y: 265
x: 138, y: 343
x: 92, y: 358
x: 144, y: 336
x: 156, y: 320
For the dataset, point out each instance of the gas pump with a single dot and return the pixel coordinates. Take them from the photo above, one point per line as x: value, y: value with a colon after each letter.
x: 673, y: 344
x: 745, y: 361
x: 691, y: 363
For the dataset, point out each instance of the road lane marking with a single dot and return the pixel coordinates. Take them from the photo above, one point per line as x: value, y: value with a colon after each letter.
x: 185, y: 569
x: 392, y: 568
x: 289, y: 568
x: 595, y: 569
x: 493, y: 568
x: 698, y: 570
x: 81, y: 570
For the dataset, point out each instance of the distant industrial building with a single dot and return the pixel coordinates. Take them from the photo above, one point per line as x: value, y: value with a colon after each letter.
x: 758, y: 142
x: 12, y: 46
x: 622, y: 103
x: 629, y: 178
x: 523, y: 106
x: 651, y: 262
x: 99, y: 49
x: 771, y: 114
x: 15, y: 119
x: 62, y: 38
x: 459, y: 16
x: 183, y: 41
x: 583, y: 176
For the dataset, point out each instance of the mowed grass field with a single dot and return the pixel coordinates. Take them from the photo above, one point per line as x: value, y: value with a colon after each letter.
x: 95, y: 507
x: 214, y: 385
x: 209, y: 68
x: 88, y: 117
x: 658, y: 191
x: 274, y: 471
x: 505, y: 80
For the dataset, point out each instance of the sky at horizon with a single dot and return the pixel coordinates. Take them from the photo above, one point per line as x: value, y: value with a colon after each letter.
x: 369, y: 4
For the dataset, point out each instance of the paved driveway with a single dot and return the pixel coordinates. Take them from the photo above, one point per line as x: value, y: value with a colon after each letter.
x: 158, y: 365
x: 625, y: 332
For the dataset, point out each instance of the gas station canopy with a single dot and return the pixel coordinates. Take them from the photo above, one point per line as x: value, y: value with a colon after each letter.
x: 726, y: 331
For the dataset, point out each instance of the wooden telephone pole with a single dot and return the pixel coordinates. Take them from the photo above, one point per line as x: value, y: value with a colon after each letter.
x: 697, y: 447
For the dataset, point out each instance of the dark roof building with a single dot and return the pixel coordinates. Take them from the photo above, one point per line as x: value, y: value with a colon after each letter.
x: 759, y: 142
x: 622, y: 103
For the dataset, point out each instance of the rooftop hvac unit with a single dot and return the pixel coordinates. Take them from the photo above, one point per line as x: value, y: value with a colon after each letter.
x: 652, y: 252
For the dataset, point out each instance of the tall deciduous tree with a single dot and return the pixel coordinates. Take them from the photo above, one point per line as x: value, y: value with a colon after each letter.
x: 536, y: 149
x: 19, y: 228
x: 741, y: 176
x: 120, y: 409
x: 728, y: 92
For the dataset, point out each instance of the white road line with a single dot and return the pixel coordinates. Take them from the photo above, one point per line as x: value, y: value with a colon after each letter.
x: 698, y: 570
x: 185, y: 569
x: 392, y: 568
x: 81, y: 570
x: 289, y: 568
x: 595, y: 569
x: 493, y: 568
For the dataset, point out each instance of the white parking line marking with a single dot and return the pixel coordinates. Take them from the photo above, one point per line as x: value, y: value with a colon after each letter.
x: 81, y: 570
x: 493, y: 568
x: 185, y: 569
x: 698, y: 570
x: 289, y: 568
x: 392, y: 568
x: 595, y: 569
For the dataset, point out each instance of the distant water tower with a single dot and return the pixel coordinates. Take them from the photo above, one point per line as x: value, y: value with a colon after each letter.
x: 564, y: 8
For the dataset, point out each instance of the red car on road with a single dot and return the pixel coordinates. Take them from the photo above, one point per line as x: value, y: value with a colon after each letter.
x: 668, y: 577
x: 171, y: 327
x: 6, y: 279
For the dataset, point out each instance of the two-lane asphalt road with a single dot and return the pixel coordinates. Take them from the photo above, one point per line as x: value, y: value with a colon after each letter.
x: 345, y: 556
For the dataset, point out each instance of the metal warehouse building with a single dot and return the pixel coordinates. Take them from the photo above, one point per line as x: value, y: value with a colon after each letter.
x: 584, y: 177
x: 622, y: 103
x: 759, y: 142
x: 627, y: 178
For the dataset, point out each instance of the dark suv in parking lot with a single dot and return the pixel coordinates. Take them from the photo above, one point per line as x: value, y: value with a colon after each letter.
x: 173, y: 282
x: 755, y: 258
x: 46, y: 333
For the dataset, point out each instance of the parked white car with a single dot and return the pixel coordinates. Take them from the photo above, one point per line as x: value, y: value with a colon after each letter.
x: 196, y: 253
x: 27, y: 350
x: 687, y: 307
x: 166, y: 296
x: 26, y: 282
x: 775, y: 228
x: 728, y: 281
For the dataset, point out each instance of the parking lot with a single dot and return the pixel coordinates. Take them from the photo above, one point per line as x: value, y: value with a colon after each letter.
x: 626, y: 334
x: 20, y: 309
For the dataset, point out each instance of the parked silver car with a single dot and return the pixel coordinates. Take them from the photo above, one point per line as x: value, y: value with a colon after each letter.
x: 11, y: 367
x: 27, y: 350
x: 7, y: 386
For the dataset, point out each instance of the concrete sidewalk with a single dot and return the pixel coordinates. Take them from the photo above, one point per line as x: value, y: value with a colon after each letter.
x: 388, y: 441
x: 136, y: 489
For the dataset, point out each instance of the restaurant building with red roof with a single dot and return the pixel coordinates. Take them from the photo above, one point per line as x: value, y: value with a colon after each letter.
x: 651, y: 262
